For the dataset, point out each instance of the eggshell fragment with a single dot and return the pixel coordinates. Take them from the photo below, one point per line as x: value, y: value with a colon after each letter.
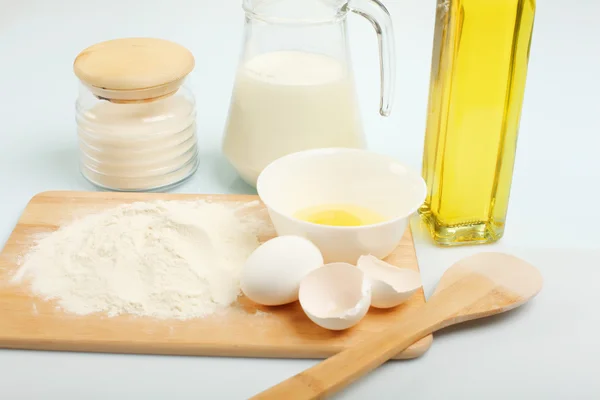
x: 335, y: 296
x: 272, y: 273
x: 390, y: 285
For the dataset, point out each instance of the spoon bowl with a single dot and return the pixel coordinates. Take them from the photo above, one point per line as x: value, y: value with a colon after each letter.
x: 508, y: 282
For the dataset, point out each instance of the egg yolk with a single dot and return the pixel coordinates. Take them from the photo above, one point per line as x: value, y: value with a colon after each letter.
x: 339, y: 215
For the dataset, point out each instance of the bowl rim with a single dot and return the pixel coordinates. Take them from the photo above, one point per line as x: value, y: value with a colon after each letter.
x: 337, y: 150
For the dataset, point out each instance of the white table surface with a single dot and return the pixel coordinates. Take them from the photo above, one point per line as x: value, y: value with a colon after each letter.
x: 546, y: 350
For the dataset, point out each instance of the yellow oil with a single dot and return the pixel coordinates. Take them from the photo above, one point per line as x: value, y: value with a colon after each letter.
x: 339, y: 215
x: 479, y: 66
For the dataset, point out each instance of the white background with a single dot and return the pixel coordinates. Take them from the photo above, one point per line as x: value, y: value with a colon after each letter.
x: 546, y: 350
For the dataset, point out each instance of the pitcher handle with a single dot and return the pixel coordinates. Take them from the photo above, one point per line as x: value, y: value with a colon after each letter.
x: 379, y: 16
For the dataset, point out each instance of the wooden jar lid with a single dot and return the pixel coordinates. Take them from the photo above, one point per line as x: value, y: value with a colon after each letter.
x: 133, y: 69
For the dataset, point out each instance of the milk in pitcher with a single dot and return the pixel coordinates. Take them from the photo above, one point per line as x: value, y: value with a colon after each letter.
x: 287, y: 101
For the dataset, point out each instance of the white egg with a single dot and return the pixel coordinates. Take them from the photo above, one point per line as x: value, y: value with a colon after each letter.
x: 390, y: 285
x: 271, y: 275
x: 335, y: 296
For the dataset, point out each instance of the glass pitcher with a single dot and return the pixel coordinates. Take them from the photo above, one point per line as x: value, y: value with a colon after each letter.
x: 294, y: 86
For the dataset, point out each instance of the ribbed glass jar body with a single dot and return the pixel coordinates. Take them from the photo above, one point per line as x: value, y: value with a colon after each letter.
x: 143, y: 146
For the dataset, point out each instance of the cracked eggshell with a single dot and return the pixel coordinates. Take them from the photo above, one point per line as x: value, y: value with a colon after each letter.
x: 390, y: 285
x: 272, y: 274
x: 336, y: 296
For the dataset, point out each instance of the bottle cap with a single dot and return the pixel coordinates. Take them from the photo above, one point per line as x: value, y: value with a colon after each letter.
x: 133, y: 69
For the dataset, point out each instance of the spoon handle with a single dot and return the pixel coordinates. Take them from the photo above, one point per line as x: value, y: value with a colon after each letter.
x: 337, y: 371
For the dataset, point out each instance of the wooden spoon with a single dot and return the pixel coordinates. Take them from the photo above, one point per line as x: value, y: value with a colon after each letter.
x: 477, y: 286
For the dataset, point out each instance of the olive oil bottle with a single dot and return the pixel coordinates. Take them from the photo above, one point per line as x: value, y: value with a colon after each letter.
x: 479, y: 66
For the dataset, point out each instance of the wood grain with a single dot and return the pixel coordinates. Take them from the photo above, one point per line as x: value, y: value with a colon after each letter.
x: 133, y: 63
x: 31, y: 323
x: 133, y: 70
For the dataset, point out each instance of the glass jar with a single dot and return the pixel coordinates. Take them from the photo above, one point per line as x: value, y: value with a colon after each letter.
x: 136, y: 127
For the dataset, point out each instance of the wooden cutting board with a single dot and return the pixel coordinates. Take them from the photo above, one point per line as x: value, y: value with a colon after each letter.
x: 246, y: 330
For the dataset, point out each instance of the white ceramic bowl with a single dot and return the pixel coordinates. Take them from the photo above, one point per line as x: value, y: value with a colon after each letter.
x: 342, y: 176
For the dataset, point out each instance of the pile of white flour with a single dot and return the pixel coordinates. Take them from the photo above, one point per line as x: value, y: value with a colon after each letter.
x: 162, y: 259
